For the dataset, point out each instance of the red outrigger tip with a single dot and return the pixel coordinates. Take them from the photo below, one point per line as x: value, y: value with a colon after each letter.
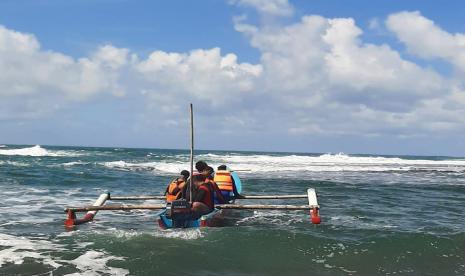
x: 315, y: 215
x: 69, y: 222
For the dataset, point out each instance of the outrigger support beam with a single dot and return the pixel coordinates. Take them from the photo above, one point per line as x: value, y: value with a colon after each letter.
x: 116, y: 207
x: 162, y: 206
x: 264, y: 207
x: 99, y: 205
x: 161, y: 197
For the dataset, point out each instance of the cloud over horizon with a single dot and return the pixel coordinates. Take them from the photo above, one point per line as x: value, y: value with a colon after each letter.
x: 315, y: 76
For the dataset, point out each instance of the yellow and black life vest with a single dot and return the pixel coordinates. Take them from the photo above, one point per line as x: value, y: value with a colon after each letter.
x: 174, y: 189
x: 224, y: 180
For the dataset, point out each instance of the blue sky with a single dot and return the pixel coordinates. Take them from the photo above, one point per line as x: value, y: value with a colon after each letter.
x: 312, y: 76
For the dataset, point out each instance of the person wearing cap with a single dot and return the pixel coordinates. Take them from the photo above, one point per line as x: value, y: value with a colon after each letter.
x: 175, y: 188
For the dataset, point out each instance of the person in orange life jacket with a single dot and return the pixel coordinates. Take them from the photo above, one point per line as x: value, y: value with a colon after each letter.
x: 175, y: 188
x: 218, y: 196
x: 225, y: 182
x: 202, y: 196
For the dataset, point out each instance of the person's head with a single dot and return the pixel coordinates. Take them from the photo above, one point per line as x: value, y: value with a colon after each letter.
x: 185, y: 174
x: 200, y: 166
x: 222, y: 168
x: 198, y: 179
x: 208, y: 172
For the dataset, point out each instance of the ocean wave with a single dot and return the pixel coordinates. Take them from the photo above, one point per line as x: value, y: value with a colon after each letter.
x: 13, y: 163
x: 270, y: 164
x: 18, y: 249
x: 95, y: 263
x: 38, y: 151
x: 183, y: 234
x: 329, y: 162
x: 158, y: 167
x: 74, y: 163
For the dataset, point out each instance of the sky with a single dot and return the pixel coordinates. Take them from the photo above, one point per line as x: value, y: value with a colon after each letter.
x: 375, y: 77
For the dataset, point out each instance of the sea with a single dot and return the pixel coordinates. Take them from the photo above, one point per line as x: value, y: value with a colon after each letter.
x: 381, y: 215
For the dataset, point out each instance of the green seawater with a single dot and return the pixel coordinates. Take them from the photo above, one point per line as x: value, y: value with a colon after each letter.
x: 381, y: 215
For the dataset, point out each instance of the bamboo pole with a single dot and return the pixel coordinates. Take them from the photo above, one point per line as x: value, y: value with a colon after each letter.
x: 162, y: 206
x: 272, y: 196
x: 192, y: 152
x: 137, y: 197
x: 264, y: 207
x: 244, y: 197
x: 116, y: 207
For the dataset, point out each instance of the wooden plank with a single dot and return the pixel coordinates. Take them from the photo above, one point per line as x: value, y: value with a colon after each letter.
x: 162, y: 206
x: 264, y: 207
x: 272, y: 196
x: 116, y: 207
x: 160, y: 197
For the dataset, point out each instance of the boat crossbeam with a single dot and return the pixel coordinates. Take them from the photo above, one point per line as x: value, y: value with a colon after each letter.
x: 100, y: 205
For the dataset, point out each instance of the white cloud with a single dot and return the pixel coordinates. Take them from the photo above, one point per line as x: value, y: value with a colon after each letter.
x: 269, y: 7
x: 316, y: 76
x: 320, y: 68
x: 32, y: 77
x: 204, y: 75
x: 427, y: 40
x: 28, y: 70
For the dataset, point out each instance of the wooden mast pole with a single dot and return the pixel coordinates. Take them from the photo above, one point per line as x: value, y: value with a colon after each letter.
x: 192, y: 151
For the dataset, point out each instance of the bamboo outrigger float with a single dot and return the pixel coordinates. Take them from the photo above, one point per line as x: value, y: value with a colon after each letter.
x: 204, y: 220
x: 174, y: 215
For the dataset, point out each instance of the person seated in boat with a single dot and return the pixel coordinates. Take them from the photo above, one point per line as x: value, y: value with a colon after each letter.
x: 226, y: 184
x: 201, y: 166
x: 218, y: 196
x: 202, y: 195
x: 175, y: 188
x: 207, y: 171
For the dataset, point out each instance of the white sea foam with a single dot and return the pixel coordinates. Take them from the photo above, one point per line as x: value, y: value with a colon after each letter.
x: 269, y: 164
x: 19, y: 248
x: 37, y: 151
x: 184, y: 234
x: 95, y: 263
x: 159, y: 167
x: 75, y: 163
x: 13, y: 163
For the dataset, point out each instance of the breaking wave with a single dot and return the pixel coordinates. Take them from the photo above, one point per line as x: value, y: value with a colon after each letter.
x: 258, y: 164
x: 37, y: 151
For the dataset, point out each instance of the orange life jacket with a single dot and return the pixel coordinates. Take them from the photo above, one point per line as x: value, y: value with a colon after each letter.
x: 171, y: 193
x: 224, y: 180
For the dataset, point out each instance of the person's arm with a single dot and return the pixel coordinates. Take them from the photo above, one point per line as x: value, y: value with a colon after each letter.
x: 176, y: 190
x: 219, y: 195
x: 199, y: 195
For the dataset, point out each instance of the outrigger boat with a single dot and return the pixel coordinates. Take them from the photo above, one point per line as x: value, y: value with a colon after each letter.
x: 177, y: 214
